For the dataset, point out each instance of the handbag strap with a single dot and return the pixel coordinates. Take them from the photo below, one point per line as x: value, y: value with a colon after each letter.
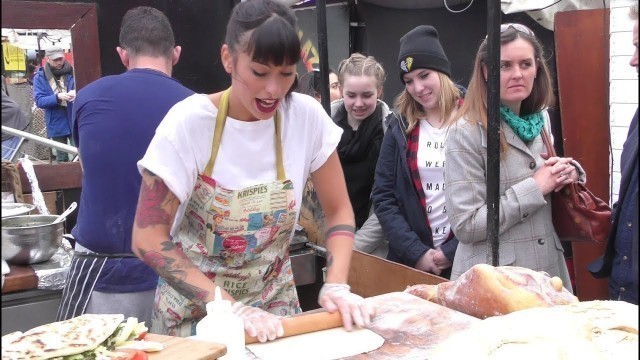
x: 546, y: 139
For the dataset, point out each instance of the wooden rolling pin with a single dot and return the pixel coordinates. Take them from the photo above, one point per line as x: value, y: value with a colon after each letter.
x: 305, y: 323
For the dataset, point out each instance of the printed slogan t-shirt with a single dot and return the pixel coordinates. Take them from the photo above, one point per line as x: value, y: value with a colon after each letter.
x: 431, y: 169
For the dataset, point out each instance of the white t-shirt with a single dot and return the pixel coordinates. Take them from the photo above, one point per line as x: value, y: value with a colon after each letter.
x: 431, y: 169
x: 182, y: 145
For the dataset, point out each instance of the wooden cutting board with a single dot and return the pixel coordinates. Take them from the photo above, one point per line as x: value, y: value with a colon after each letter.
x: 187, y: 349
x: 19, y: 278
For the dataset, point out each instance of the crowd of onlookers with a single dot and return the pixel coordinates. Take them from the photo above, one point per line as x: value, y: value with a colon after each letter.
x: 427, y: 207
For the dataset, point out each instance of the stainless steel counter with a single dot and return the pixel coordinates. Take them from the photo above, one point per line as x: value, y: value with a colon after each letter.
x: 23, y: 310
x: 304, y: 265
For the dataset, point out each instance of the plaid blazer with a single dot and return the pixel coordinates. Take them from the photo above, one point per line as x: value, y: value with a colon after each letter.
x: 526, y: 233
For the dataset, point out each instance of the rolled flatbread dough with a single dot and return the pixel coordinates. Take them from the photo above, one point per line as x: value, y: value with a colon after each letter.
x: 591, y: 330
x: 320, y: 345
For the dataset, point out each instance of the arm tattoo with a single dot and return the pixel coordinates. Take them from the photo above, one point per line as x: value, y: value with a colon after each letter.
x: 329, y: 260
x: 152, y: 198
x: 345, y: 230
x: 174, y: 271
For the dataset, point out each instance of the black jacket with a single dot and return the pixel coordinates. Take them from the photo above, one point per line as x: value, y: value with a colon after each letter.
x: 628, y: 202
x: 397, y: 204
x: 358, y: 152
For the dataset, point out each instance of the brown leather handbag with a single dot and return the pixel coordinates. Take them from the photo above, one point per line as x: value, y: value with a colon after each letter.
x: 578, y: 215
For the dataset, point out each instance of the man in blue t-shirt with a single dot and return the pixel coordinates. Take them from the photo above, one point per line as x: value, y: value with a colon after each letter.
x: 115, y: 119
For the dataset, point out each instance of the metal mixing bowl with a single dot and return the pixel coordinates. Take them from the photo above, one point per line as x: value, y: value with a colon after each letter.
x: 16, y: 209
x: 30, y: 239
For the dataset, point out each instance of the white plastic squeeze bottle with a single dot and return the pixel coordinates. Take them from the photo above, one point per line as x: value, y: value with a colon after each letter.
x: 222, y: 326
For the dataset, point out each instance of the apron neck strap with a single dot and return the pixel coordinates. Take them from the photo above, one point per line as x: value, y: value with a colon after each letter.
x: 223, y: 110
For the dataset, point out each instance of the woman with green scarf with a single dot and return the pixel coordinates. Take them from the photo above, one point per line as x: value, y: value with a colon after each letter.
x: 528, y: 176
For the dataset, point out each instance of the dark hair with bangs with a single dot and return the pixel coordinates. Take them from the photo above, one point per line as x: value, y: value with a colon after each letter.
x: 146, y: 31
x: 274, y: 42
x: 273, y: 38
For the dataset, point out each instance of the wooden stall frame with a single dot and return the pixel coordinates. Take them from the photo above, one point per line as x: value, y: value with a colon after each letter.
x: 371, y: 275
x: 80, y: 19
x: 582, y: 59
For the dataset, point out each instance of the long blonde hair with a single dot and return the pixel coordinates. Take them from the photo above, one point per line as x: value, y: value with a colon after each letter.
x: 474, y: 107
x: 413, y: 110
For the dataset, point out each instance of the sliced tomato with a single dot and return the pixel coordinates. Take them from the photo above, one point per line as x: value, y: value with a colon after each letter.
x: 140, y: 355
x: 141, y: 336
x: 133, y: 354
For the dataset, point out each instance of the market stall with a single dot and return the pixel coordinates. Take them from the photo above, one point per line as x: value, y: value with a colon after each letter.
x: 523, y: 314
x: 421, y: 322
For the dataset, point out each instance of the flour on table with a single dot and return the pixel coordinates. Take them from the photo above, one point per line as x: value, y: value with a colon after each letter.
x: 320, y: 345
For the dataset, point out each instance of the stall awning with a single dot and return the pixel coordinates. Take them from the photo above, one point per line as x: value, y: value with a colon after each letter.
x: 13, y: 57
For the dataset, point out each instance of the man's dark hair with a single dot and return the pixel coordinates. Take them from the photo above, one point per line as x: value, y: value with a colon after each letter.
x: 309, y: 83
x: 146, y: 31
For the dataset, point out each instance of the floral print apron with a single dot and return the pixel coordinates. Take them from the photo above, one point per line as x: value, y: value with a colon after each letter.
x: 238, y: 238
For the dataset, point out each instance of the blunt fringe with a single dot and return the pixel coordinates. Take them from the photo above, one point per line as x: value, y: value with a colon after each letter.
x: 273, y: 38
x: 266, y: 30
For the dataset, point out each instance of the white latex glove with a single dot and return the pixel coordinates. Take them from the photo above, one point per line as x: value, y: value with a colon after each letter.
x: 258, y: 323
x: 352, y: 307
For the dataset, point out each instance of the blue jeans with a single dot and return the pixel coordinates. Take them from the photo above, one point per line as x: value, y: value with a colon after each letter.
x: 62, y: 156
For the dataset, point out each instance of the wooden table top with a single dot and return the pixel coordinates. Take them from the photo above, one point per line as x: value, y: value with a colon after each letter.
x: 410, y: 326
x: 19, y: 278
x: 184, y: 348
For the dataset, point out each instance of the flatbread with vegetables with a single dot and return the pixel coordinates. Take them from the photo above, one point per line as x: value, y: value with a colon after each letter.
x: 89, y: 336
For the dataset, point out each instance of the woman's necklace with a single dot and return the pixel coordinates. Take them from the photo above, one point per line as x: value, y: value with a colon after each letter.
x: 435, y: 122
x: 434, y: 119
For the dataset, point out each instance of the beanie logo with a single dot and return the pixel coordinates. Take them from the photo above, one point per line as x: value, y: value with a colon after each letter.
x: 405, y: 65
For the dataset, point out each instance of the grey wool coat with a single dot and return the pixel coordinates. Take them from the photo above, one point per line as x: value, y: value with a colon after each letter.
x: 526, y: 234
